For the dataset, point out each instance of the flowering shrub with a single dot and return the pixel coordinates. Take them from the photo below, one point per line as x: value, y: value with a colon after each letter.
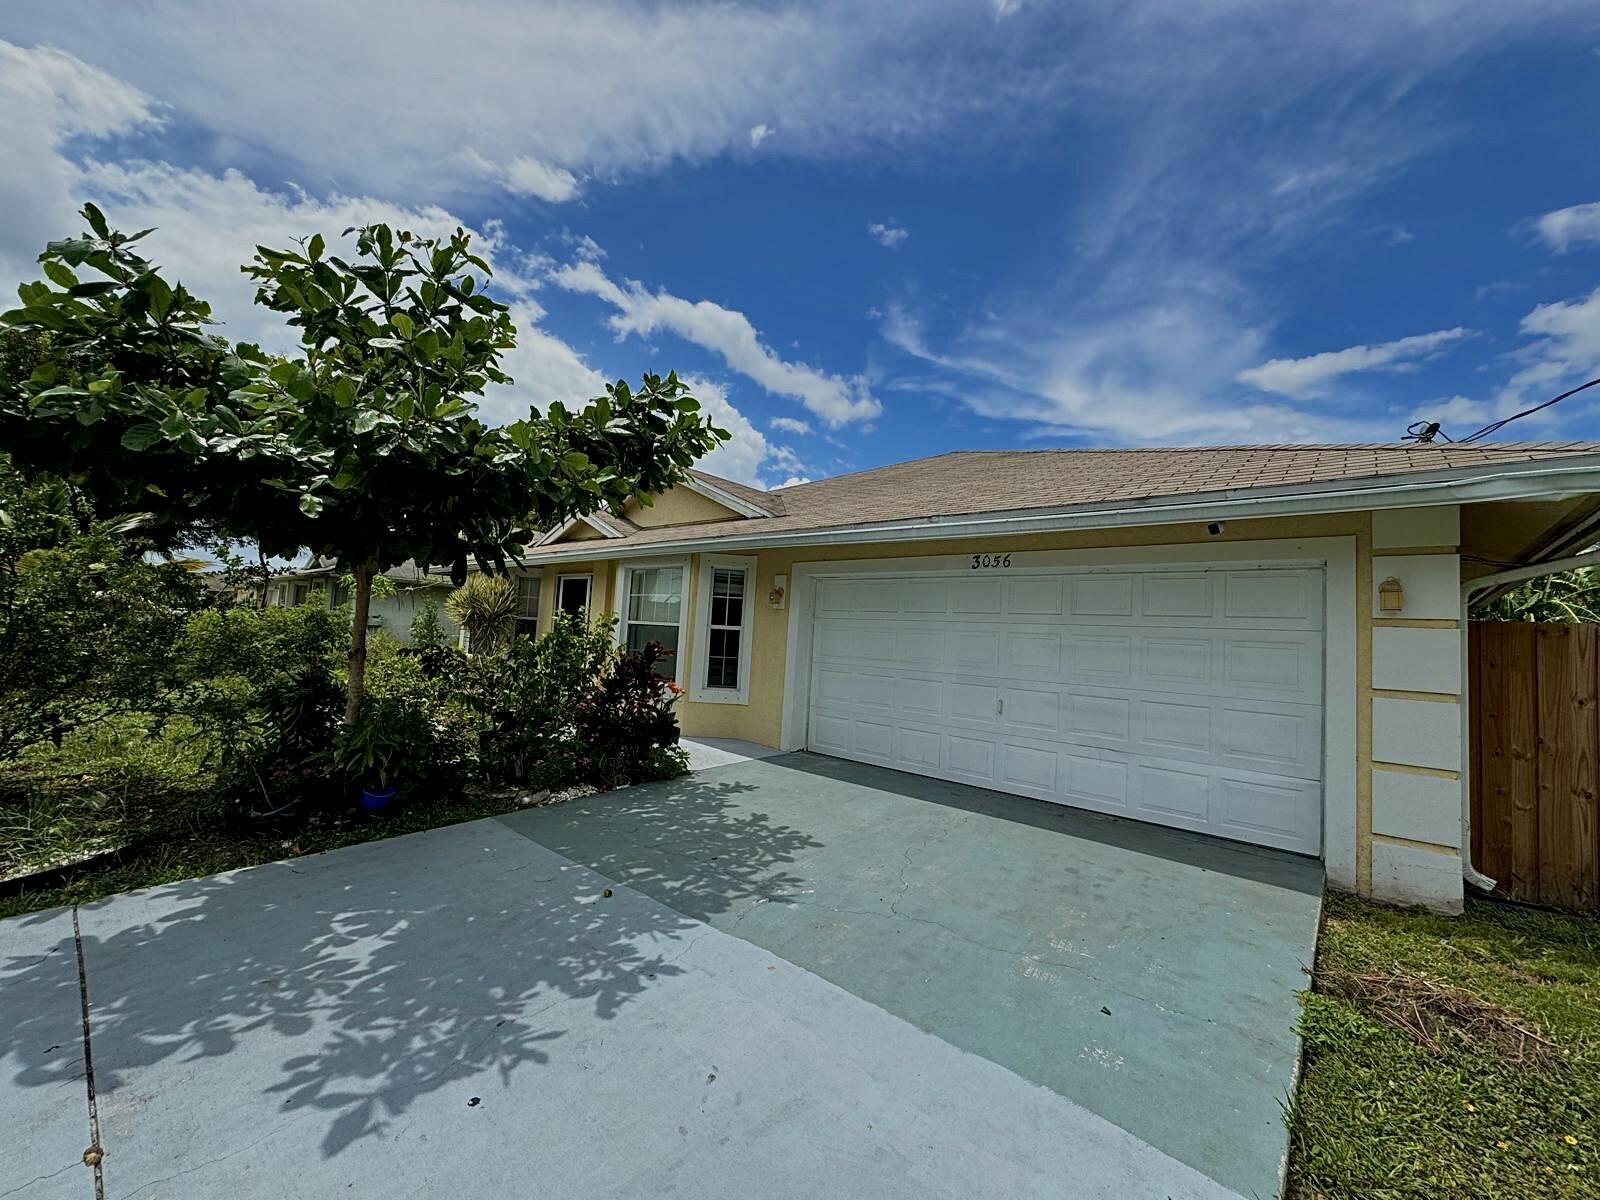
x: 628, y: 719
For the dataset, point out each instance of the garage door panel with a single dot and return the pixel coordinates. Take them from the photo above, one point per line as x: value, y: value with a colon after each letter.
x: 1099, y: 717
x: 971, y: 758
x: 918, y: 749
x: 1167, y: 727
x: 1036, y: 598
x: 1288, y: 667
x: 1032, y: 710
x: 977, y: 597
x: 919, y: 697
x: 1181, y: 660
x: 975, y: 702
x: 1102, y: 782
x: 975, y: 651
x: 1168, y: 792
x: 1190, y: 594
x: 1144, y: 694
x: 1032, y: 655
x: 1101, y: 595
x: 1104, y: 657
x: 916, y: 644
x: 1029, y: 767
x: 1271, y: 812
x: 1272, y: 597
x: 1261, y: 739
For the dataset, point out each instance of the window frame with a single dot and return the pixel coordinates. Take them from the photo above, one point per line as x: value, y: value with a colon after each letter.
x: 625, y: 585
x: 700, y: 692
x: 588, y: 596
x: 529, y: 626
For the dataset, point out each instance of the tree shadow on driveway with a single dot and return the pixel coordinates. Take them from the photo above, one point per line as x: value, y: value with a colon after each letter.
x: 351, y: 984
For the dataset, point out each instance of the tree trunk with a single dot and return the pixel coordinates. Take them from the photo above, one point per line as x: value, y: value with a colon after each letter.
x: 360, y: 607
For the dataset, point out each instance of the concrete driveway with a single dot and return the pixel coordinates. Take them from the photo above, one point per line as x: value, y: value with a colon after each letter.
x: 789, y: 978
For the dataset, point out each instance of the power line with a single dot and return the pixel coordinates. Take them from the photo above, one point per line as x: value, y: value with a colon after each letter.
x: 1504, y: 421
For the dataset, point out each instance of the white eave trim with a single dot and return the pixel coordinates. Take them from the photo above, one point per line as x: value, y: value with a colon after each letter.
x: 600, y: 526
x: 1537, y: 479
x: 725, y: 498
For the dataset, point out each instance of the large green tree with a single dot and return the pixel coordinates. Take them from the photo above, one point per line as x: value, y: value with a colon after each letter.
x: 365, y: 447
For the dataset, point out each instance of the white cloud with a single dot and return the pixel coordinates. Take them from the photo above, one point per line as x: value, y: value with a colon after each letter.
x: 745, y: 453
x: 207, y: 224
x: 1455, y: 413
x: 1565, y: 351
x: 759, y: 134
x: 1566, y: 228
x: 47, y: 99
x: 887, y: 235
x: 528, y: 176
x: 836, y: 399
x: 794, y: 481
x: 790, y: 425
x: 1300, y: 378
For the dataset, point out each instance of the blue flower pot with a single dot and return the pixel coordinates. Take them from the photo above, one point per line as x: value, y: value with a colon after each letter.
x: 374, y: 800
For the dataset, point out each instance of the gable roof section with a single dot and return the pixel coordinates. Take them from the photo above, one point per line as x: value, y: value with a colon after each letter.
x: 743, y: 499
x: 942, y: 490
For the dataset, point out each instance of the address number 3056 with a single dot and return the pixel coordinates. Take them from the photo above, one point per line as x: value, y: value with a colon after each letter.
x: 986, y: 562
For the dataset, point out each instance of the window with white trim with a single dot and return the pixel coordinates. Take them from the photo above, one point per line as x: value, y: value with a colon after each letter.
x: 528, y: 604
x: 572, y: 594
x: 652, y: 611
x: 724, y: 611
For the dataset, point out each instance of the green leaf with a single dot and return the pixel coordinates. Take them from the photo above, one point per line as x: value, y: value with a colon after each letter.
x: 97, y: 220
x: 141, y: 437
x: 310, y: 505
x: 575, y: 461
x: 367, y: 421
x: 315, y: 247
x: 59, y: 274
x: 403, y: 325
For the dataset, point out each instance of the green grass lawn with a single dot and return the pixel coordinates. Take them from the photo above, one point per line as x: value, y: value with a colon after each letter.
x: 199, y: 849
x: 1465, y: 1106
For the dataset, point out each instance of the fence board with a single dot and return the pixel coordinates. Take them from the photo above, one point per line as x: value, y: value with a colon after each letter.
x: 1535, y: 756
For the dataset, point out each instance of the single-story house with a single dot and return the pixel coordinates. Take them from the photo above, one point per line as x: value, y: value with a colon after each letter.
x: 1260, y: 643
x: 413, y: 589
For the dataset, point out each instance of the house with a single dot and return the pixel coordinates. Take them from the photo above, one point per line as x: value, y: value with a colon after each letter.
x: 413, y: 588
x: 1261, y: 643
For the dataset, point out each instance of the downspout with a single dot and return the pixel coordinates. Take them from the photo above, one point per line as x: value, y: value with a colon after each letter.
x: 1470, y: 590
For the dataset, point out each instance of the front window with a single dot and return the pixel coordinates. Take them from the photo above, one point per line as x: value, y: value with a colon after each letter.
x: 572, y: 594
x: 653, y: 612
x: 726, y: 627
x: 528, y: 605
x: 722, y: 622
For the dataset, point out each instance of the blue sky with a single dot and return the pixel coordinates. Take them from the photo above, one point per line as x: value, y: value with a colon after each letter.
x: 872, y: 232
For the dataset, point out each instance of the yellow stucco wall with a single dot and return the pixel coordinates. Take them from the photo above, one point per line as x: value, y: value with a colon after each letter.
x: 677, y: 506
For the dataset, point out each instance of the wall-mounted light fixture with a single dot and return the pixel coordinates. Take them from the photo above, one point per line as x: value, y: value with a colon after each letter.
x: 779, y: 594
x: 1391, y: 596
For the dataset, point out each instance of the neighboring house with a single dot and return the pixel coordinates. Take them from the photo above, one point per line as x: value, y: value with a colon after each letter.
x: 414, y: 588
x: 1261, y: 643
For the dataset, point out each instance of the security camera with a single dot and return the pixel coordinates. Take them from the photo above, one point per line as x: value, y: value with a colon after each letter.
x: 1216, y: 528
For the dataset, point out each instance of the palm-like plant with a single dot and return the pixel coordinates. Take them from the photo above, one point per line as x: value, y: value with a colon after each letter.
x: 486, y: 607
x: 1569, y: 597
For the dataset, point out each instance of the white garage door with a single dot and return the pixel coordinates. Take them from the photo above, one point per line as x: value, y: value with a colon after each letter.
x: 1186, y: 697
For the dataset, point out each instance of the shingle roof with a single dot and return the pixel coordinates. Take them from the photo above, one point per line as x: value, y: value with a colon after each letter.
x: 967, y: 482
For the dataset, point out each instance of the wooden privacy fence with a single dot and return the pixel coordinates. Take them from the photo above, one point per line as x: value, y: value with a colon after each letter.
x: 1535, y: 745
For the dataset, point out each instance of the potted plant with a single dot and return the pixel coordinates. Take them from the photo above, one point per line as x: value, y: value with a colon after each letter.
x: 384, y: 750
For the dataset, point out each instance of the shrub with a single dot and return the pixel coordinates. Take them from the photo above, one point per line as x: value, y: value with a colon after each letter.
x: 426, y: 630
x: 628, y: 719
x: 262, y: 686
x: 486, y: 607
x: 86, y: 623
x: 525, y: 700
